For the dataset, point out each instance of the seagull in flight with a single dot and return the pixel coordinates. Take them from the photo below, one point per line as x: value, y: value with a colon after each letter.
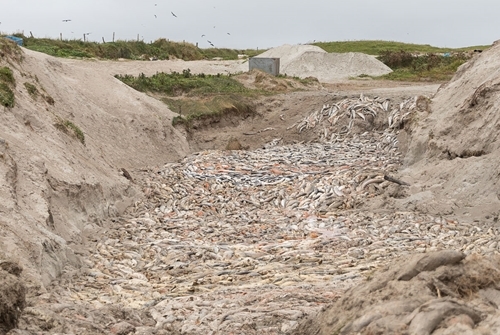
x: 155, y: 16
x: 66, y: 20
x: 228, y: 33
x: 173, y: 14
x: 202, y: 35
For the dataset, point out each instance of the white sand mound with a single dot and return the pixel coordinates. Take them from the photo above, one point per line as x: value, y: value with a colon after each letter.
x: 329, y: 67
x: 288, y: 53
x: 311, y: 61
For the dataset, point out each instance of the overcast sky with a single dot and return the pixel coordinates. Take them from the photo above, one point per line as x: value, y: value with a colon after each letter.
x: 259, y: 24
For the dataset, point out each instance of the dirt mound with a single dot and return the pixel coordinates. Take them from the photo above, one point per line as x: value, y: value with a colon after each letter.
x: 454, y: 151
x: 306, y: 60
x: 62, y: 145
x: 434, y: 293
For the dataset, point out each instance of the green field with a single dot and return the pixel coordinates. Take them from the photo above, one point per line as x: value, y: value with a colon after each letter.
x: 378, y: 47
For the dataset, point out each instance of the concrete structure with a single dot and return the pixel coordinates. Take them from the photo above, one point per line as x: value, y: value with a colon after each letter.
x: 269, y: 65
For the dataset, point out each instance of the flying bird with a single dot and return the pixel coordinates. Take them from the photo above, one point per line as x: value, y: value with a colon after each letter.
x: 201, y: 35
x: 209, y: 42
x: 228, y: 33
x: 155, y: 16
x: 173, y: 14
x: 66, y: 20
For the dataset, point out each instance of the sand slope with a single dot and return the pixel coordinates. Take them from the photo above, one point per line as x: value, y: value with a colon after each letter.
x: 54, y: 190
x: 454, y: 152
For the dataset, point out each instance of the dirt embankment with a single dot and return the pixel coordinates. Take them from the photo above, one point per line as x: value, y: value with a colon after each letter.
x: 453, y: 158
x: 57, y: 188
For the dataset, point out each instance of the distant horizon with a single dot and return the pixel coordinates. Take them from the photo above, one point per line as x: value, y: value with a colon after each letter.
x: 259, y: 24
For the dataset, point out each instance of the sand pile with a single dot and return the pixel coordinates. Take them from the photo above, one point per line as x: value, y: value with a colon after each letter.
x: 454, y: 151
x: 311, y: 61
x: 55, y: 189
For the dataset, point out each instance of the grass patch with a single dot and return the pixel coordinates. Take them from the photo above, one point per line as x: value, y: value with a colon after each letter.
x: 32, y: 90
x: 416, y: 67
x: 377, y: 47
x: 161, y: 49
x: 71, y: 129
x: 185, y: 83
x: 7, y: 82
x: 6, y: 76
x: 6, y: 96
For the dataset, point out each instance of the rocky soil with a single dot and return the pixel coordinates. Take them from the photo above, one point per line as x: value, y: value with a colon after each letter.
x: 338, y: 219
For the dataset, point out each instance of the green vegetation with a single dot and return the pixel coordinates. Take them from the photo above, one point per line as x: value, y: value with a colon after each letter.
x: 378, y: 47
x: 176, y: 84
x: 70, y: 128
x: 7, y: 82
x: 417, y: 67
x: 32, y: 90
x: 160, y: 49
x: 196, y: 97
x: 6, y: 76
x: 9, y: 49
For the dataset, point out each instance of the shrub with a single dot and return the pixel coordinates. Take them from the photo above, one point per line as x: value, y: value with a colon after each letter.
x: 6, y: 95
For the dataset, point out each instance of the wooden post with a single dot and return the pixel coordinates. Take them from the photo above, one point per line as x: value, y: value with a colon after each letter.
x: 103, y: 40
x: 60, y: 34
x: 113, y: 37
x: 31, y: 34
x: 137, y: 37
x: 84, y: 37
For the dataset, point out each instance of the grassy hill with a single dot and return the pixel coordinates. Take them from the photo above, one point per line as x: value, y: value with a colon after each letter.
x: 376, y: 48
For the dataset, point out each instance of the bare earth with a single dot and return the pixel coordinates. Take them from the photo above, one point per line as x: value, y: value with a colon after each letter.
x: 61, y: 200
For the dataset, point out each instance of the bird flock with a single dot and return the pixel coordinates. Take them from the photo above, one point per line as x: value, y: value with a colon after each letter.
x: 157, y: 15
x: 202, y: 35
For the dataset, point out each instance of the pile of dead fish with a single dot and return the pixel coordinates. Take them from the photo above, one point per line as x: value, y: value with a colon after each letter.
x: 251, y: 242
x: 337, y: 119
